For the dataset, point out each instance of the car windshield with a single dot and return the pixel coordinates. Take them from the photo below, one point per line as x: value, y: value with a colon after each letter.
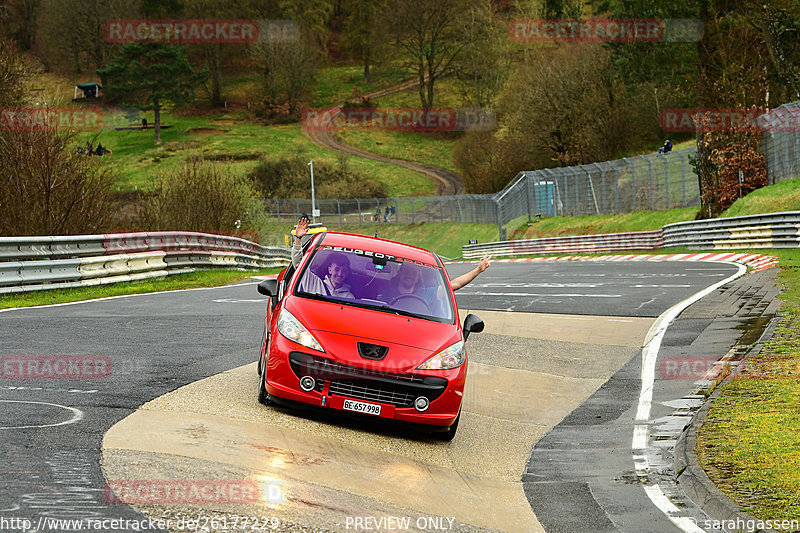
x: 369, y: 279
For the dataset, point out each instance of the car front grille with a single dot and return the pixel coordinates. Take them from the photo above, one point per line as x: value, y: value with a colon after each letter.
x: 399, y: 390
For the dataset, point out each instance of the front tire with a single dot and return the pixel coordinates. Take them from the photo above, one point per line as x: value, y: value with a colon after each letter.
x: 263, y: 396
x: 448, y: 435
x: 263, y: 351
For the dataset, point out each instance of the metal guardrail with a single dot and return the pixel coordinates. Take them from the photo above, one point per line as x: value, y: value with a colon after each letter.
x: 768, y: 230
x: 609, y: 242
x: 83, y: 260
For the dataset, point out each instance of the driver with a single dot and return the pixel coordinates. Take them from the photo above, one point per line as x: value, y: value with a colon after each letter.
x: 333, y: 283
x: 408, y: 282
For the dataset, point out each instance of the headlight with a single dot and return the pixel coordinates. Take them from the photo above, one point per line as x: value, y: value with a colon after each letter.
x: 448, y: 358
x: 292, y: 329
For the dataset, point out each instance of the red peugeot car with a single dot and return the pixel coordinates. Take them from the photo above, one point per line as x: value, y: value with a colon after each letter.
x: 366, y: 326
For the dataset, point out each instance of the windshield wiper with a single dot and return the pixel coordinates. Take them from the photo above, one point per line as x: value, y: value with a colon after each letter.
x: 387, y: 307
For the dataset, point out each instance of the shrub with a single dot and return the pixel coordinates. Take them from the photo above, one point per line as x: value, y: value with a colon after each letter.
x: 46, y: 188
x: 721, y: 155
x: 290, y: 178
x: 201, y: 196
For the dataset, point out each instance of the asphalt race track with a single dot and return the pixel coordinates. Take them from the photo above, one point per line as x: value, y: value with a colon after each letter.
x: 559, y: 360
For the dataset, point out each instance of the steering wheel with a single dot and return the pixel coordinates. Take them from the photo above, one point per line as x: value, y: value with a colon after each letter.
x: 412, y: 297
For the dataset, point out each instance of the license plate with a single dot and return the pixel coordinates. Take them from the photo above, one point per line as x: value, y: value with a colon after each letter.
x: 361, y: 407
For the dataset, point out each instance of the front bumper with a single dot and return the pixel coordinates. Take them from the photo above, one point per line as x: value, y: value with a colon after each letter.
x: 336, y: 382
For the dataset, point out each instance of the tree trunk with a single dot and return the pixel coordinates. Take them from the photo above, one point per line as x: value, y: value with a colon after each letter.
x: 422, y: 82
x: 366, y: 65
x: 703, y: 162
x: 213, y: 58
x: 157, y: 119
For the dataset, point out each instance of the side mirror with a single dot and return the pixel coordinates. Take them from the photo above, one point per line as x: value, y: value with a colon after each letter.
x: 472, y: 324
x: 269, y: 287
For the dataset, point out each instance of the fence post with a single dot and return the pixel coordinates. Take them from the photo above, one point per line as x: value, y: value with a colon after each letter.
x: 602, y: 187
x: 500, y: 233
x: 339, y: 211
x: 633, y: 181
x: 650, y: 174
x: 527, y: 195
x: 666, y: 180
x: 278, y: 209
x: 413, y: 217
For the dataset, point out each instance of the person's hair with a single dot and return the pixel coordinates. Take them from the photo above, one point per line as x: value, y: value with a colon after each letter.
x: 338, y: 258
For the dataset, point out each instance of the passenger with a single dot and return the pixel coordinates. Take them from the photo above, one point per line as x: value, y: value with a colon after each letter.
x: 337, y: 271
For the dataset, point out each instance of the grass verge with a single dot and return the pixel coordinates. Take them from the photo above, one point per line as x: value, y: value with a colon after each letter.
x: 750, y: 443
x: 200, y: 278
x: 783, y: 196
x: 597, y: 224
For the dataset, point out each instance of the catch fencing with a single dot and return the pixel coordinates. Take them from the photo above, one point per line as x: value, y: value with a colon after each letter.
x: 782, y: 148
x: 647, y: 182
x: 473, y: 208
x: 652, y: 182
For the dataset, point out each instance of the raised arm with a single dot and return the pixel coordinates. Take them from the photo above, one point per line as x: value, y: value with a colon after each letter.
x: 464, y: 279
x: 299, y: 231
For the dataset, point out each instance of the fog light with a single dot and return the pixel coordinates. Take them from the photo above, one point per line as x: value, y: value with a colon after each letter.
x: 421, y: 404
x: 307, y: 383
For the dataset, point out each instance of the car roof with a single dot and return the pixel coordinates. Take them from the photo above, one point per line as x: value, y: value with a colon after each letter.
x: 362, y: 242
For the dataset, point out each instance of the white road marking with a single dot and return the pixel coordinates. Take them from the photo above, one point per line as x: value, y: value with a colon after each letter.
x: 640, y: 429
x: 126, y: 296
x: 77, y: 415
x: 570, y: 295
x: 79, y: 391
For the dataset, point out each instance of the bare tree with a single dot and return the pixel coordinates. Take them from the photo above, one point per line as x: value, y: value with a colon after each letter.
x: 15, y: 73
x: 428, y: 33
x: 290, y: 69
x: 482, y: 66
x: 83, y: 48
x: 46, y: 188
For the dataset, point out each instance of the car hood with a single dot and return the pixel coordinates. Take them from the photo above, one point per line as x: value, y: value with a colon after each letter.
x: 339, y: 328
